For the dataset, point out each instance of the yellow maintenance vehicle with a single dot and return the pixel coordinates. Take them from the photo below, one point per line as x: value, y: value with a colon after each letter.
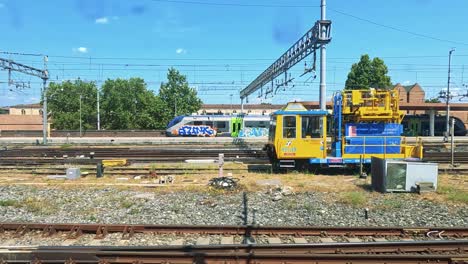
x: 363, y: 124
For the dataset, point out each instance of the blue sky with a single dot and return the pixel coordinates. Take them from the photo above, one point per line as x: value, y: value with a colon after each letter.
x: 223, y: 45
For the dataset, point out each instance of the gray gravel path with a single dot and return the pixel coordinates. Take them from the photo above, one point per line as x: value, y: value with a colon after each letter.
x: 110, y: 205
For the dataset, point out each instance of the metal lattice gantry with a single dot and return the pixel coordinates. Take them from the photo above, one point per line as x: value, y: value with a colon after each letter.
x: 318, y: 35
x: 10, y: 65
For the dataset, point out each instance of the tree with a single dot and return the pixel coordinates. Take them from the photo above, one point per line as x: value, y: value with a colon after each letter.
x: 366, y: 74
x: 128, y: 104
x: 64, y: 105
x: 179, y: 98
x: 433, y: 100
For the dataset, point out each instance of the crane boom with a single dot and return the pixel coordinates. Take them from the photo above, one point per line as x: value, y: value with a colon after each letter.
x: 318, y: 35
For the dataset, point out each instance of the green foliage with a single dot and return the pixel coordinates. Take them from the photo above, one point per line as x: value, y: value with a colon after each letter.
x: 125, y: 104
x: 355, y: 199
x: 389, y: 203
x: 7, y: 202
x: 179, y: 98
x: 433, y: 100
x: 64, y: 104
x: 128, y: 104
x: 453, y: 194
x: 368, y: 73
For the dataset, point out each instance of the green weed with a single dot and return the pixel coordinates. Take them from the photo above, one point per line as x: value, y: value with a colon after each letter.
x: 7, y: 202
x: 355, y: 199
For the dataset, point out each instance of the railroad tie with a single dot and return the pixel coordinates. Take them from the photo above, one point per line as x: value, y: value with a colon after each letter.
x: 380, y: 239
x: 177, y: 242
x: 327, y: 240
x: 203, y: 241
x: 300, y: 240
x: 227, y: 240
x: 274, y: 240
x: 353, y: 240
x: 9, y: 242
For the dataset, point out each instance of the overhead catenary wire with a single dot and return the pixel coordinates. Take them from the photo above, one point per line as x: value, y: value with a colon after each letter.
x: 231, y: 4
x: 398, y: 29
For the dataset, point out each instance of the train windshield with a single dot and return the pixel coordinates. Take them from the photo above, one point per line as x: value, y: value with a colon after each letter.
x: 311, y: 126
x: 175, y: 121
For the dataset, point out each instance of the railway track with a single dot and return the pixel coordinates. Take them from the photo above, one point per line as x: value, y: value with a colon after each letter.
x: 91, y: 156
x: 445, y: 157
x: 101, y: 230
x: 39, y: 156
x: 364, y: 253
x: 363, y: 245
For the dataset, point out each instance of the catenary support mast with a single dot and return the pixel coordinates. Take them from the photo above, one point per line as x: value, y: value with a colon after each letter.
x: 317, y: 37
x: 10, y: 66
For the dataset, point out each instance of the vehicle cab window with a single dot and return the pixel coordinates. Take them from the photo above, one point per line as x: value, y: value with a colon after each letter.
x: 289, y: 126
x: 311, y: 127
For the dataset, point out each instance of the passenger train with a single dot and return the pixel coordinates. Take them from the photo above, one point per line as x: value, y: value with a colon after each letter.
x: 258, y: 125
x: 418, y: 125
x: 219, y: 125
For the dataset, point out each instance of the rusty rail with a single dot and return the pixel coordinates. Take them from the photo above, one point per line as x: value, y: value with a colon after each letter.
x: 272, y: 256
x: 128, y: 230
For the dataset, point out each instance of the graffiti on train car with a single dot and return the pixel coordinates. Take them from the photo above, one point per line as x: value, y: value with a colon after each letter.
x: 253, y: 132
x: 197, y: 131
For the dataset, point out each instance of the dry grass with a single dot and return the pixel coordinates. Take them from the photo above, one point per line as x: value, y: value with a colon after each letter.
x: 347, y: 189
x: 37, y: 205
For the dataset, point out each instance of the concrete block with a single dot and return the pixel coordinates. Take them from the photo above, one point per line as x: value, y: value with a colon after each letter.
x: 354, y: 240
x: 274, y: 240
x: 227, y: 240
x: 177, y: 242
x: 203, y: 241
x: 327, y: 240
x: 300, y: 240
x: 73, y: 173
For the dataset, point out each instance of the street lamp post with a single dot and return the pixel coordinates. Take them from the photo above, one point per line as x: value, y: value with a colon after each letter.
x: 80, y: 116
x: 447, y: 130
x: 98, y: 112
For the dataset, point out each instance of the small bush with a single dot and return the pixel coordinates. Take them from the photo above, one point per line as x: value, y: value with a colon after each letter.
x: 356, y: 199
x: 37, y: 205
x: 7, y: 202
x: 390, y: 203
x: 453, y: 194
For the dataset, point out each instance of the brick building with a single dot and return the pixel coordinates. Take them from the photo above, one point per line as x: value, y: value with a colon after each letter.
x: 22, y: 117
x: 412, y: 94
x: 26, y: 109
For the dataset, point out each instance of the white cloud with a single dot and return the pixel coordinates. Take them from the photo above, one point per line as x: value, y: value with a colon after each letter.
x: 102, y: 20
x: 80, y: 50
x: 406, y: 82
x: 105, y: 20
x: 181, y: 51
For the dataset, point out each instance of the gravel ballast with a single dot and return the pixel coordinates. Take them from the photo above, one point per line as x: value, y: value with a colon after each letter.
x: 112, y: 205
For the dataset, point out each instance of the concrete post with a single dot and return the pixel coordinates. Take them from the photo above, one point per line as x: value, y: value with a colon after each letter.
x: 323, y: 67
x: 431, y: 122
x: 220, y: 164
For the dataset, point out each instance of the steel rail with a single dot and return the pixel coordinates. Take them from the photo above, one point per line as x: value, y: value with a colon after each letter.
x: 460, y: 232
x: 399, y: 247
x: 70, y: 257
